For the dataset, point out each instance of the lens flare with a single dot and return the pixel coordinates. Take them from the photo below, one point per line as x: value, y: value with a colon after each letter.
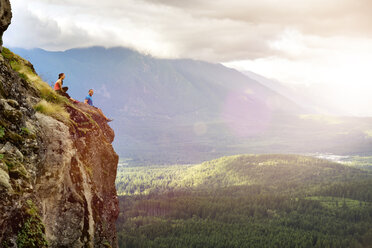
x: 245, y: 115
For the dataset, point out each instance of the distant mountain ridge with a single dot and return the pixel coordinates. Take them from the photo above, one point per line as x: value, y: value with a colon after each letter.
x: 137, y: 90
x: 312, y: 98
x: 182, y: 110
x: 136, y: 75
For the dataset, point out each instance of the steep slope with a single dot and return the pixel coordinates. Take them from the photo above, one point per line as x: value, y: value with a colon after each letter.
x: 57, y: 165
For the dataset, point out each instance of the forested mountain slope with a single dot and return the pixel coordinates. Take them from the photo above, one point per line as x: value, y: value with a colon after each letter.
x: 246, y: 201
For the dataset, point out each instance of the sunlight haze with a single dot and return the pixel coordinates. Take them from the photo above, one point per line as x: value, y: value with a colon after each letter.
x: 322, y: 46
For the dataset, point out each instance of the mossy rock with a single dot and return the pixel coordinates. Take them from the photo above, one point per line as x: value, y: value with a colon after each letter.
x: 32, y: 234
x: 4, y: 180
x: 17, y: 171
x: 13, y: 115
x: 2, y: 91
x: 14, y: 138
x: 2, y: 132
x: 3, y: 166
x: 26, y: 133
x: 12, y: 103
x: 106, y: 244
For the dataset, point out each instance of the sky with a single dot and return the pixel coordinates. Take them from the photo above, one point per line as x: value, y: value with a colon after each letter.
x: 321, y: 46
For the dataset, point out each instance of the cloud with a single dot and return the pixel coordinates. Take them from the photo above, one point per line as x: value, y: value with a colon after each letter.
x: 30, y: 29
x: 294, y: 41
x: 217, y: 31
x: 317, y: 17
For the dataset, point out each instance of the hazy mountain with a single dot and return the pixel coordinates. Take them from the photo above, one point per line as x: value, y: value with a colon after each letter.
x: 313, y: 98
x: 169, y: 111
x: 139, y: 85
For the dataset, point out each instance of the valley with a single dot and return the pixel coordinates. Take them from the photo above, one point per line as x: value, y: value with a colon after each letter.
x: 246, y: 201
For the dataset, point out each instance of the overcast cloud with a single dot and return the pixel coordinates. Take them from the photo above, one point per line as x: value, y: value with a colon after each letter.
x: 295, y: 41
x: 212, y: 30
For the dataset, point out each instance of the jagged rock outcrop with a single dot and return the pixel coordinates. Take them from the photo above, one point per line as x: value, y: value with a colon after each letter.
x: 57, y: 169
x: 76, y: 184
x: 5, y: 18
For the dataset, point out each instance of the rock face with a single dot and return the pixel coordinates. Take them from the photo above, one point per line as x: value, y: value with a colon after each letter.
x: 5, y: 17
x: 56, y: 177
x: 76, y: 186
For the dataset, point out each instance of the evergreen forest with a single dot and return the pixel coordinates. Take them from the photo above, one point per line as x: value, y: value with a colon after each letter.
x: 247, y: 201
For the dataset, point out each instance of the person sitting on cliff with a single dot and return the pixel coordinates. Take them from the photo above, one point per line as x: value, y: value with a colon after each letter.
x: 62, y: 90
x: 89, y: 100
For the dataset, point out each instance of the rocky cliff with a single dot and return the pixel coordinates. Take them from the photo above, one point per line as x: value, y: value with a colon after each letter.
x: 57, y: 164
x: 5, y: 18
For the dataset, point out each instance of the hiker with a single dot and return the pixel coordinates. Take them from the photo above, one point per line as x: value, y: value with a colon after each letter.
x: 62, y: 90
x: 89, y: 100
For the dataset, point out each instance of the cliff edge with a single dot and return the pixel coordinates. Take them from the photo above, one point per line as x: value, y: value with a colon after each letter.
x: 57, y: 164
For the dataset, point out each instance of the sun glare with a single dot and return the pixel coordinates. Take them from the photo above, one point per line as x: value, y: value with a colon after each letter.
x: 340, y: 74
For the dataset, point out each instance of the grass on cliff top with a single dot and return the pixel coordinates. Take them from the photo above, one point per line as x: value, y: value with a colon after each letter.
x: 51, y: 104
x: 53, y: 110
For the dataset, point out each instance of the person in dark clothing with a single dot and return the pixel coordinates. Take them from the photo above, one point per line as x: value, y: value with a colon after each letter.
x: 89, y: 100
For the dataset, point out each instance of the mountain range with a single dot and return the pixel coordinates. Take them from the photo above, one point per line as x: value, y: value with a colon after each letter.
x: 312, y: 97
x: 184, y: 111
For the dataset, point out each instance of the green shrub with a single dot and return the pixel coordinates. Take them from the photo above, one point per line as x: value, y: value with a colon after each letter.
x: 22, y: 75
x: 32, y: 234
x: 7, y: 53
x: 25, y: 130
x: 106, y: 244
